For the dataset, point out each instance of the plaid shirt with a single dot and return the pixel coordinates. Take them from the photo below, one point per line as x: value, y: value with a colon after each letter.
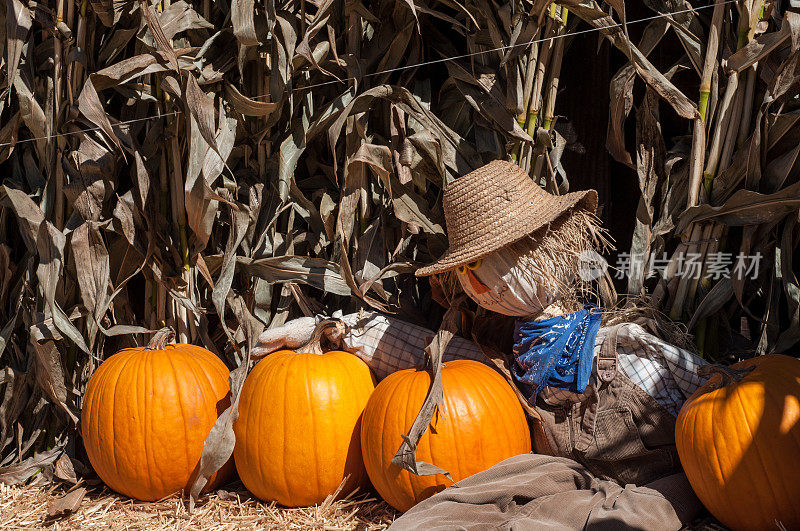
x: 665, y: 372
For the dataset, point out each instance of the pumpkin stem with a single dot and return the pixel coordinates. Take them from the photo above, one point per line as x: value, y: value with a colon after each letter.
x: 332, y: 329
x: 160, y: 339
x: 727, y: 374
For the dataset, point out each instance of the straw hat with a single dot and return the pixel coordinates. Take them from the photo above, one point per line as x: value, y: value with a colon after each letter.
x: 494, y: 206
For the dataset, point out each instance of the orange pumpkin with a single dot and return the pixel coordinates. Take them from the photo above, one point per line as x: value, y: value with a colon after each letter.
x: 146, y: 414
x: 738, y: 438
x: 297, y: 435
x: 478, y: 424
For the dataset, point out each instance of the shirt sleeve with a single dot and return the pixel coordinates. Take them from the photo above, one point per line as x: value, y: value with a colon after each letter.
x: 664, y: 371
x: 681, y: 363
x: 387, y: 344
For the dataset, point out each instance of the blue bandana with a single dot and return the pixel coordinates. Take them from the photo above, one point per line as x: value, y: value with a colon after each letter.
x: 556, y: 352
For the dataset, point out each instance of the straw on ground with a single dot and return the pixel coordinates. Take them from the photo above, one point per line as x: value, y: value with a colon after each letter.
x: 27, y: 508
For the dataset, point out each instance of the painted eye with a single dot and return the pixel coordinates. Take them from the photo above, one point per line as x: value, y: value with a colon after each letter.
x: 472, y: 266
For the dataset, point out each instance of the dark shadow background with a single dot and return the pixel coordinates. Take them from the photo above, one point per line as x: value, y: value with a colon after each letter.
x: 583, y: 105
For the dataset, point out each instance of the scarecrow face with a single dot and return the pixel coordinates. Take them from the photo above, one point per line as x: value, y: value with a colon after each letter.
x: 510, y: 282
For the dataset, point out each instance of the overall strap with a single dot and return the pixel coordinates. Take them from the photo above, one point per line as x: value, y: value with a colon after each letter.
x: 607, y: 357
x: 606, y: 372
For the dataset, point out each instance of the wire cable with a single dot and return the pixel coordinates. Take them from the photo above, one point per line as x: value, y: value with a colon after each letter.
x: 401, y: 68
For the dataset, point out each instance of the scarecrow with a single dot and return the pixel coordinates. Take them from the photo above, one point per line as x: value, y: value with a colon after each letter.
x: 603, y: 395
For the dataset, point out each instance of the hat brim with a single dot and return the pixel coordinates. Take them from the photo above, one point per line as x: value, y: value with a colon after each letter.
x: 558, y: 205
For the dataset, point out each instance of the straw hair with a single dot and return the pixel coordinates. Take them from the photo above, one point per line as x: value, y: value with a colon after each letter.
x: 494, y: 206
x: 552, y: 256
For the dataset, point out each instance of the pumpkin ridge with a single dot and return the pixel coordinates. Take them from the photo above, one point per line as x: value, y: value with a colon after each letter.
x: 383, y: 474
x: 94, y: 413
x: 114, y: 409
x: 307, y: 377
x: 104, y: 421
x: 352, y: 383
x: 450, y: 404
x: 333, y: 409
x: 208, y: 387
x: 419, y: 480
x: 254, y: 422
x: 794, y: 433
x: 692, y: 411
x: 472, y: 412
x: 157, y: 480
x: 493, y: 402
x: 120, y: 388
x: 477, y: 409
x: 718, y: 448
x: 502, y: 403
x: 207, y: 394
x: 143, y: 360
x: 286, y: 372
x: 408, y: 389
x: 405, y: 478
x: 712, y: 492
x: 264, y: 382
x: 762, y: 506
x: 244, y: 425
x: 716, y: 404
x: 179, y: 392
x: 336, y: 436
x: 94, y: 410
x: 209, y: 384
x: 731, y: 392
x: 287, y: 377
x: 111, y: 417
x: 413, y: 382
x: 794, y: 430
x: 777, y: 498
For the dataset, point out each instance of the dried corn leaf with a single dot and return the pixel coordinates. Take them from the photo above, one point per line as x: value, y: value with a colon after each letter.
x: 49, y: 372
x: 650, y: 157
x: 18, y: 24
x: 765, y: 44
x: 242, y: 17
x: 746, y: 208
x: 93, y: 273
x: 66, y: 504
x: 248, y: 106
x: 589, y: 11
x: 22, y: 472
x: 161, y: 40
x: 622, y: 93
x: 90, y: 106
